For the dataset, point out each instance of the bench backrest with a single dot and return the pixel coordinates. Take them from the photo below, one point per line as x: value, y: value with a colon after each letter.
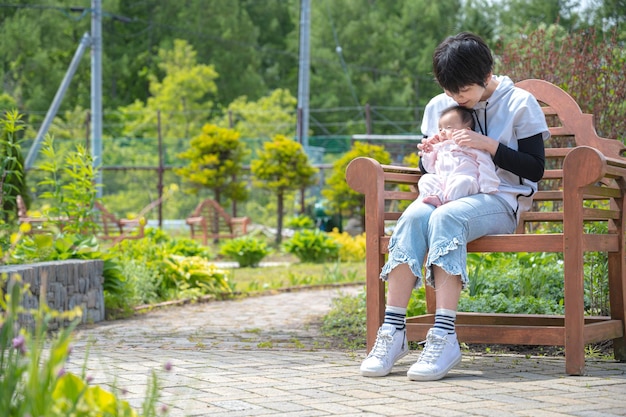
x: 219, y: 222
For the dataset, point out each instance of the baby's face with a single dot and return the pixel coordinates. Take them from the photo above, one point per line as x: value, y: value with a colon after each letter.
x: 450, y: 122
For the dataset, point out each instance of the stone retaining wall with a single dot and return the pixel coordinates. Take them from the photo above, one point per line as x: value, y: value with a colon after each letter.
x: 69, y: 284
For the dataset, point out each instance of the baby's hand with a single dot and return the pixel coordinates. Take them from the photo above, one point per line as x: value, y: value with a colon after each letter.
x: 426, y: 145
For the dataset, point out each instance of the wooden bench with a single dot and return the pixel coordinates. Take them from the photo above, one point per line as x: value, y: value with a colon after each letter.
x: 584, y: 181
x: 116, y: 229
x: 111, y: 228
x: 37, y: 223
x: 214, y: 223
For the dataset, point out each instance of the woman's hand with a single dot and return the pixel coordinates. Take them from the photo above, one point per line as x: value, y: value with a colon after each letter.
x: 471, y: 139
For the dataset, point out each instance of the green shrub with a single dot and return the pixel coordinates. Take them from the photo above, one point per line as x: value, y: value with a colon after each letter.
x: 246, y: 250
x: 192, y: 276
x: 351, y: 248
x: 300, y: 222
x: 312, y: 246
x: 525, y: 283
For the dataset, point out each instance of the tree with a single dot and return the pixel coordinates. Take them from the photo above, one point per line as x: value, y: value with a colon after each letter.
x: 274, y: 114
x: 183, y: 96
x: 281, y: 167
x: 587, y: 64
x: 342, y: 198
x: 377, y: 53
x: 215, y: 162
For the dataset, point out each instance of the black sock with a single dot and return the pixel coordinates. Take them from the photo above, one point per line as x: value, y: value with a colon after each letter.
x: 444, y: 319
x: 396, y: 316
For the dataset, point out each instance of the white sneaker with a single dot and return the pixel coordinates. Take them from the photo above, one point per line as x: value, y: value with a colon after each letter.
x: 441, y: 353
x: 389, y: 347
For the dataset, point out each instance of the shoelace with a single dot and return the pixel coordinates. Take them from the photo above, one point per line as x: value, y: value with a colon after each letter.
x: 383, y: 341
x: 433, y: 348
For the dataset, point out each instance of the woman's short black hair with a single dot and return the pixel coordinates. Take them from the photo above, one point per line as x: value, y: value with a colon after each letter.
x: 462, y: 60
x: 466, y: 115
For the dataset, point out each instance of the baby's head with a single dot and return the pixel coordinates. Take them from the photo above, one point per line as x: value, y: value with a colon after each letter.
x: 454, y: 118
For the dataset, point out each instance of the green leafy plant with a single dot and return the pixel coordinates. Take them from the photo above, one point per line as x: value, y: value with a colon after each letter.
x: 191, y: 276
x: 69, y: 183
x: 514, y: 283
x: 248, y: 251
x: 346, y: 321
x: 351, y: 248
x: 12, y: 176
x: 299, y: 222
x: 312, y: 246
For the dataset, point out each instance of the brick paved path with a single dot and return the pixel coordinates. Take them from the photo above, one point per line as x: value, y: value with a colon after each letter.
x: 264, y: 356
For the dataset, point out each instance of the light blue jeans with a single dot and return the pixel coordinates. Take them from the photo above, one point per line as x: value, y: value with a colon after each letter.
x: 443, y: 233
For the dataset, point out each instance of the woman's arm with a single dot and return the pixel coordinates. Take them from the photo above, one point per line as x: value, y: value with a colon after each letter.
x: 527, y: 162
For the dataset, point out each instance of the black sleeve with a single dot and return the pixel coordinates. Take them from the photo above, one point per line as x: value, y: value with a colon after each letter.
x: 421, y: 166
x: 527, y: 162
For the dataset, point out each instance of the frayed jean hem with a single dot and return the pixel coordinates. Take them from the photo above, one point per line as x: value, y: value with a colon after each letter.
x: 400, y: 257
x: 444, y: 256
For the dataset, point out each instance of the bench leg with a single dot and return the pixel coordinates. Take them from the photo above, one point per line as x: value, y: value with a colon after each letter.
x: 617, y: 300
x: 375, y: 300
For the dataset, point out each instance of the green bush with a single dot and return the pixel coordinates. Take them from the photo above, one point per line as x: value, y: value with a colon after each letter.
x: 159, y: 268
x: 300, y: 222
x: 525, y: 283
x: 351, y: 248
x: 246, y: 250
x: 312, y: 246
x: 192, y: 276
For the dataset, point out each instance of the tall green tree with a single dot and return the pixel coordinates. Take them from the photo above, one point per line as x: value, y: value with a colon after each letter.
x: 274, y: 114
x: 377, y: 53
x: 214, y: 162
x: 282, y: 167
x: 183, y: 96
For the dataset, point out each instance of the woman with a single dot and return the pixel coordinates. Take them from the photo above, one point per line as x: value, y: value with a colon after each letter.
x: 511, y: 127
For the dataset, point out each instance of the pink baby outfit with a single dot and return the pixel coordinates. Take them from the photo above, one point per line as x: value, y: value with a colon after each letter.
x: 457, y: 171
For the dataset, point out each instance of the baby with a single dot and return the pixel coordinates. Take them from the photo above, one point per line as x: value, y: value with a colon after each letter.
x: 455, y: 171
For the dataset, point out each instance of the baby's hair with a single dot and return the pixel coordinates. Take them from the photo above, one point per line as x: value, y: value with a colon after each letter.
x: 467, y: 117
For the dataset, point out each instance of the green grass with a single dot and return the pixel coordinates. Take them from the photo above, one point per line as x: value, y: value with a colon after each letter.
x: 267, y: 278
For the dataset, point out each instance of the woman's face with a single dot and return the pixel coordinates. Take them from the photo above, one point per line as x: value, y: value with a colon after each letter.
x: 468, y: 96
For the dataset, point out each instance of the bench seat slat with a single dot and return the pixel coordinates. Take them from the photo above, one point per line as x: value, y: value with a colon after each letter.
x: 531, y: 243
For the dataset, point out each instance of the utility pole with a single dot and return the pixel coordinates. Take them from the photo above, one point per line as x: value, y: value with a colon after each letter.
x: 56, y: 102
x: 96, y: 90
x: 304, y: 68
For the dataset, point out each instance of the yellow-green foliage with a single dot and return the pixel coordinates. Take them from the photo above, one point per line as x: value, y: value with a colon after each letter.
x: 351, y: 249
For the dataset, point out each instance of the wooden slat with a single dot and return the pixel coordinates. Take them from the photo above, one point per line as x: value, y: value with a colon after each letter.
x: 552, y: 174
x: 506, y: 335
x: 557, y: 152
x: 548, y: 195
x: 399, y: 195
x: 594, y: 214
x: 552, y: 242
x: 513, y: 329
